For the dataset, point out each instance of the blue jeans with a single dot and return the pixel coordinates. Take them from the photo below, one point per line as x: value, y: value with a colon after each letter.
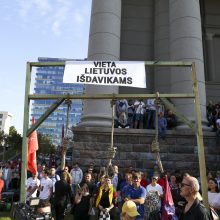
x: 151, y: 115
x: 162, y: 132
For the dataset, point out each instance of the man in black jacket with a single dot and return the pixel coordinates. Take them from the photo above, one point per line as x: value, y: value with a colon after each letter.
x: 63, y: 195
x: 194, y: 208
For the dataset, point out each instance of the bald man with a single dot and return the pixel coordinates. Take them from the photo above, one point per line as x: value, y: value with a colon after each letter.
x: 194, y: 209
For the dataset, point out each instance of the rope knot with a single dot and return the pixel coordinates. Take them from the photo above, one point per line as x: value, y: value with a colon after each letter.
x: 155, y: 146
x: 111, y: 152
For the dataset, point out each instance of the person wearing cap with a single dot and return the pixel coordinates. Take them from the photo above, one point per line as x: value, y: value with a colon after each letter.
x: 137, y: 194
x: 194, y: 209
x: 129, y: 211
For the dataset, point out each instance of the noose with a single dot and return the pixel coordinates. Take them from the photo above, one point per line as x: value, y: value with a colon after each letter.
x: 111, y: 149
x: 68, y: 102
x: 155, y: 144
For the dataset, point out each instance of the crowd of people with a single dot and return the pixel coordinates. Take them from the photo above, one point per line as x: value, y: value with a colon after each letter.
x: 213, y: 117
x: 111, y: 194
x: 140, y: 114
x: 10, y: 172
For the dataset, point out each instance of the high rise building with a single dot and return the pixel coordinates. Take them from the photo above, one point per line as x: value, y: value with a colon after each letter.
x: 49, y: 80
x: 5, y: 121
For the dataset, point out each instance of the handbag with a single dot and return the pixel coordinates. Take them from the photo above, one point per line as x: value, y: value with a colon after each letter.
x: 213, y: 214
x: 92, y: 211
x: 72, y: 209
x: 104, y: 216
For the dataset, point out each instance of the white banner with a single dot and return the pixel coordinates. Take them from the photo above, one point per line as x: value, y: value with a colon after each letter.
x: 109, y: 73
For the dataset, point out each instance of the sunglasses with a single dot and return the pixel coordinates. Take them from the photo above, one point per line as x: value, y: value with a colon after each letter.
x: 154, y: 178
x: 136, y: 178
x: 184, y: 184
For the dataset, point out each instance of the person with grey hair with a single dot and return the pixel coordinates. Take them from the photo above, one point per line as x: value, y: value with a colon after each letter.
x: 194, y: 209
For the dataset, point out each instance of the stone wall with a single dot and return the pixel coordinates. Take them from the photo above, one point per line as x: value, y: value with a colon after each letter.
x: 177, y: 151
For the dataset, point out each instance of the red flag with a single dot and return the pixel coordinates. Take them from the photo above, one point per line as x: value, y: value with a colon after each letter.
x: 32, y: 148
x: 168, y: 211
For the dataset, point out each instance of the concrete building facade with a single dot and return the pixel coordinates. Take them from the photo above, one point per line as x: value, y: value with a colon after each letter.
x: 5, y: 121
x: 153, y: 30
x: 156, y: 30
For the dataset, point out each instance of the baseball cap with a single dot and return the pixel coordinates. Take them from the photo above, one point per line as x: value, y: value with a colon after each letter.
x: 130, y: 208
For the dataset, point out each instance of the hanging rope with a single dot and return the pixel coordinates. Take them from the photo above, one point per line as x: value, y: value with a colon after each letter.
x: 65, y: 141
x: 111, y: 149
x: 155, y: 148
x: 68, y: 102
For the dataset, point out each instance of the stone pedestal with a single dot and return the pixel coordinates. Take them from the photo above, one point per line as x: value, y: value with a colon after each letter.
x: 178, y: 151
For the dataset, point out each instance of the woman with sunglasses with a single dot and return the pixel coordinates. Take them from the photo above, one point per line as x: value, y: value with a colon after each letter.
x: 214, y: 195
x: 153, y: 199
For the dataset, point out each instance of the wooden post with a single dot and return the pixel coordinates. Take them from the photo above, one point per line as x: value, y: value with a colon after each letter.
x: 28, y: 97
x: 25, y: 138
x: 199, y: 136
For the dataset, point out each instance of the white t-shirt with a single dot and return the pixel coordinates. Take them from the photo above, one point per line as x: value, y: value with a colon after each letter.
x: 5, y: 177
x: 218, y: 122
x: 214, y: 199
x: 31, y: 183
x: 152, y: 189
x: 46, y: 187
x: 139, y: 107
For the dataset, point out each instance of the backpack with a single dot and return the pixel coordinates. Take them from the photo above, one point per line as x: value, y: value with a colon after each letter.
x: 213, y: 214
x: 121, y: 103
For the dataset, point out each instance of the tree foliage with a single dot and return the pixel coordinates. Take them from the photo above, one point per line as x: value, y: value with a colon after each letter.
x: 2, y: 137
x: 14, y: 139
x: 45, y: 144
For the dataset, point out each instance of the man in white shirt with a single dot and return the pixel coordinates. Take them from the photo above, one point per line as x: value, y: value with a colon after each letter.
x: 54, y: 177
x: 33, y: 184
x: 151, y: 113
x: 139, y: 107
x: 46, y: 188
x: 7, y: 175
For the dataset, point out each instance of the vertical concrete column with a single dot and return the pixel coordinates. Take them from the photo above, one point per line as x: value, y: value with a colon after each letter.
x: 104, y: 44
x: 186, y: 45
x: 210, y: 56
x: 161, y: 45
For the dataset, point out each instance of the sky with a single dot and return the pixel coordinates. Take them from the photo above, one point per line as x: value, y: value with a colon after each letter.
x: 32, y: 29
